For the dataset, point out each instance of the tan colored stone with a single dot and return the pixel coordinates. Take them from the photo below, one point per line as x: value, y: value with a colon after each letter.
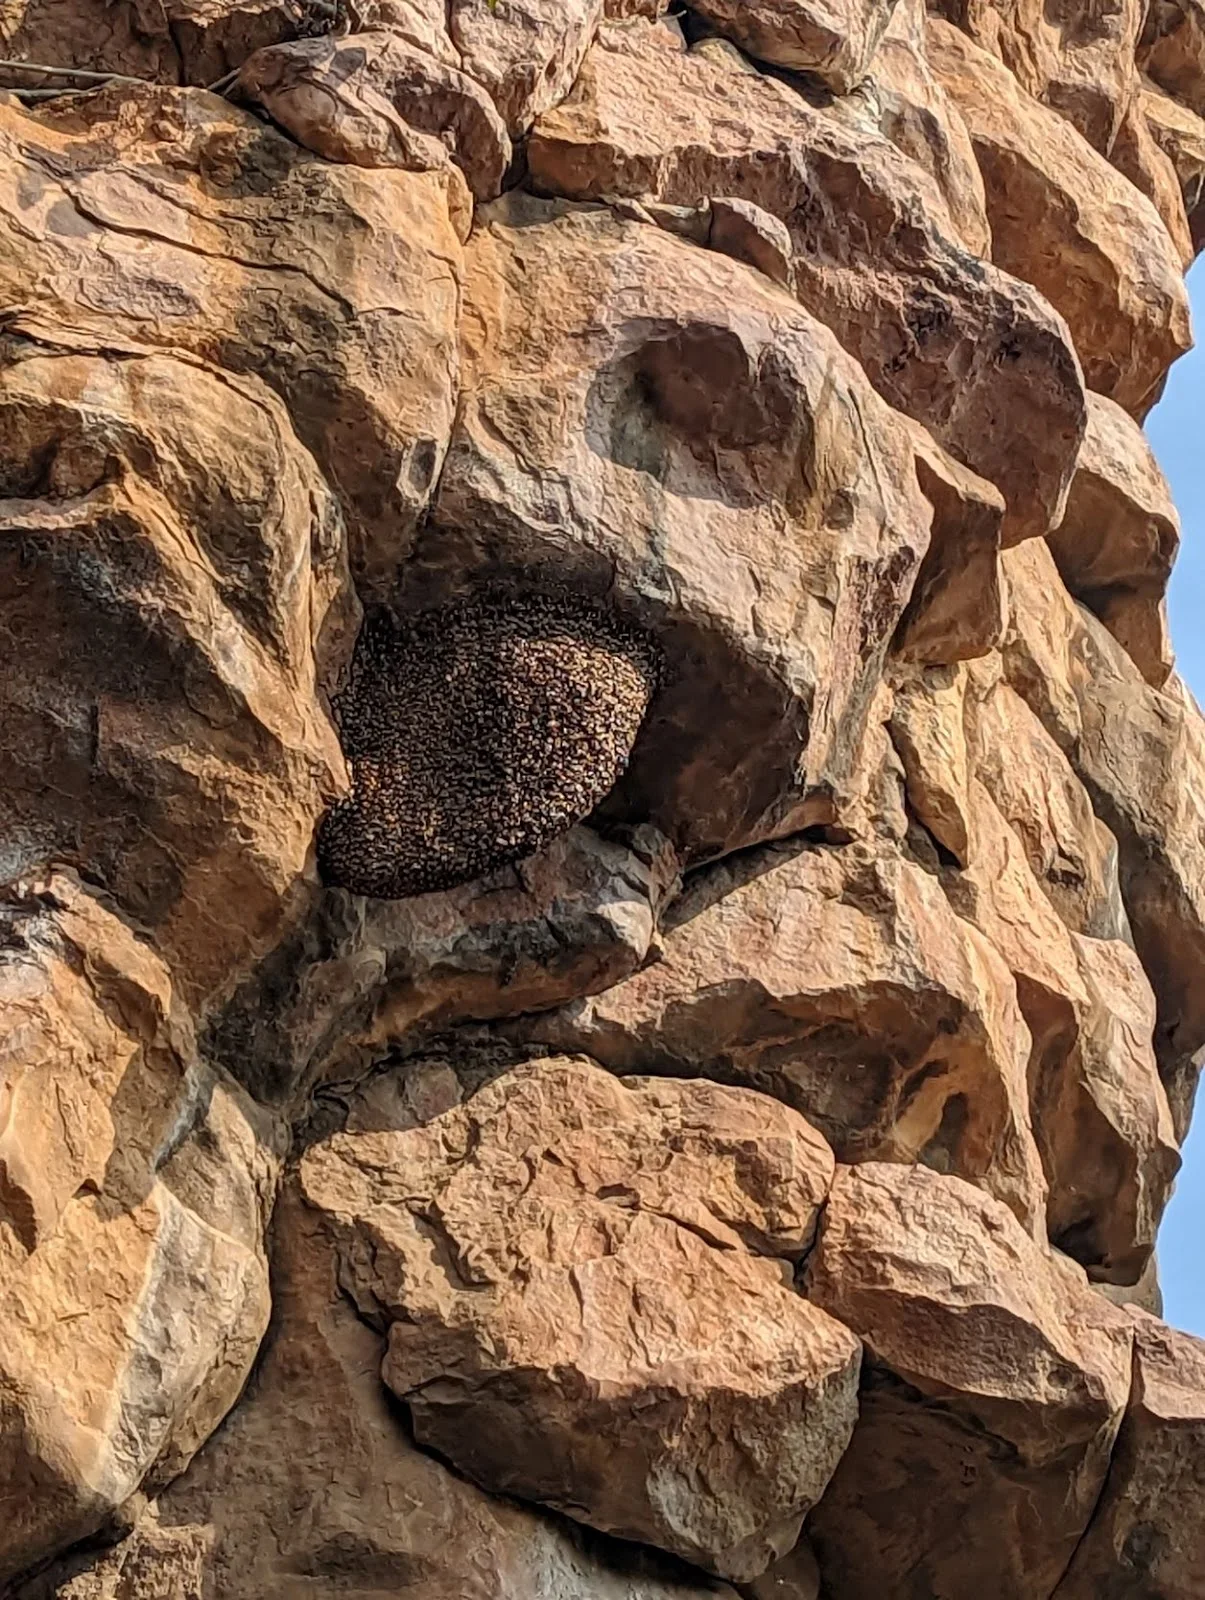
x: 1139, y: 155
x: 663, y: 427
x: 524, y: 53
x: 834, y: 39
x: 977, y: 357
x: 993, y: 1390
x: 928, y: 732
x: 919, y: 118
x: 840, y: 982
x: 1180, y: 134
x: 373, y: 100
x: 1098, y: 1108
x: 135, y: 1187
x: 1079, y: 63
x: 361, y: 977
x: 1119, y: 535
x: 957, y: 609
x: 176, y: 41
x: 314, y: 1487
x: 1140, y: 753
x: 583, y: 1285
x: 1172, y: 50
x: 191, y: 227
x: 1066, y: 221
x: 1034, y: 788
x: 175, y: 574
x: 1147, y: 1538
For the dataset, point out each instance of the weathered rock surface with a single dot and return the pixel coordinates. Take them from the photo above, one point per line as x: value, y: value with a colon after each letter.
x: 1140, y: 754
x: 582, y: 639
x: 1109, y: 267
x: 841, y: 982
x: 1118, y: 538
x: 623, y: 433
x: 316, y: 1452
x: 155, y: 219
x: 835, y: 42
x: 1145, y: 1537
x: 373, y: 100
x: 534, y: 1351
x: 973, y: 354
x: 175, y: 569
x: 135, y: 1188
x: 993, y: 1390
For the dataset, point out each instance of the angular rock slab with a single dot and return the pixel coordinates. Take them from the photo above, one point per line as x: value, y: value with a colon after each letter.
x: 373, y: 100
x: 978, y: 357
x: 836, y: 42
x: 587, y: 1288
x: 359, y: 978
x: 201, y: 231
x: 1147, y: 1538
x: 1140, y: 754
x: 135, y: 1187
x: 993, y: 1389
x: 176, y: 592
x: 839, y: 981
x: 1119, y: 536
x: 662, y: 428
x: 315, y: 1452
x: 1064, y: 220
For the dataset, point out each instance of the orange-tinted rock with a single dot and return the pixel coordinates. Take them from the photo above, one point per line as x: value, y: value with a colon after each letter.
x: 1065, y: 220
x: 1146, y: 1537
x: 970, y: 352
x: 618, y: 1340
x: 835, y: 41
x: 218, y: 238
x: 373, y: 100
x: 840, y: 982
x: 135, y: 1187
x: 994, y: 1385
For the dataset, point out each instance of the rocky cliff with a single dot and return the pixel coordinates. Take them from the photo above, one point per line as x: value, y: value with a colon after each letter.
x: 602, y: 942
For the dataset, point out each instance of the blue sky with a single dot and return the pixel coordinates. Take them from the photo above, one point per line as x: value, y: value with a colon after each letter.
x: 1177, y: 430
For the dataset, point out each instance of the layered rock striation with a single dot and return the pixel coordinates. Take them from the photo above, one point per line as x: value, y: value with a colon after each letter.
x: 602, y: 856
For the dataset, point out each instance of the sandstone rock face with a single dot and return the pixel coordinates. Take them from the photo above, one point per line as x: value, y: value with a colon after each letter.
x: 602, y: 858
x: 534, y: 1352
x: 966, y: 1434
x: 705, y: 125
x: 135, y: 1188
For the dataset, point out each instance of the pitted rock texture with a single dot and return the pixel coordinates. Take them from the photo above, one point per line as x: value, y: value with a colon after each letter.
x: 602, y: 856
x: 620, y: 1338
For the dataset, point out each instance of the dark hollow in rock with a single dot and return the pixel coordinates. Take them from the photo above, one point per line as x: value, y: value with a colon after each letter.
x: 476, y: 733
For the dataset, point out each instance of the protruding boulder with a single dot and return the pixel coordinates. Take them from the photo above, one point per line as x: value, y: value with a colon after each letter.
x: 1172, y: 50
x: 1180, y: 134
x: 317, y: 1453
x: 524, y: 53
x: 374, y: 100
x: 976, y: 356
x: 1147, y: 1538
x: 208, y: 235
x: 1140, y: 753
x: 177, y: 591
x: 835, y: 40
x: 1119, y: 535
x: 663, y: 429
x: 135, y: 1188
x: 920, y: 118
x: 840, y: 981
x: 994, y: 1385
x: 586, y: 1284
x: 1066, y: 221
x: 362, y: 977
